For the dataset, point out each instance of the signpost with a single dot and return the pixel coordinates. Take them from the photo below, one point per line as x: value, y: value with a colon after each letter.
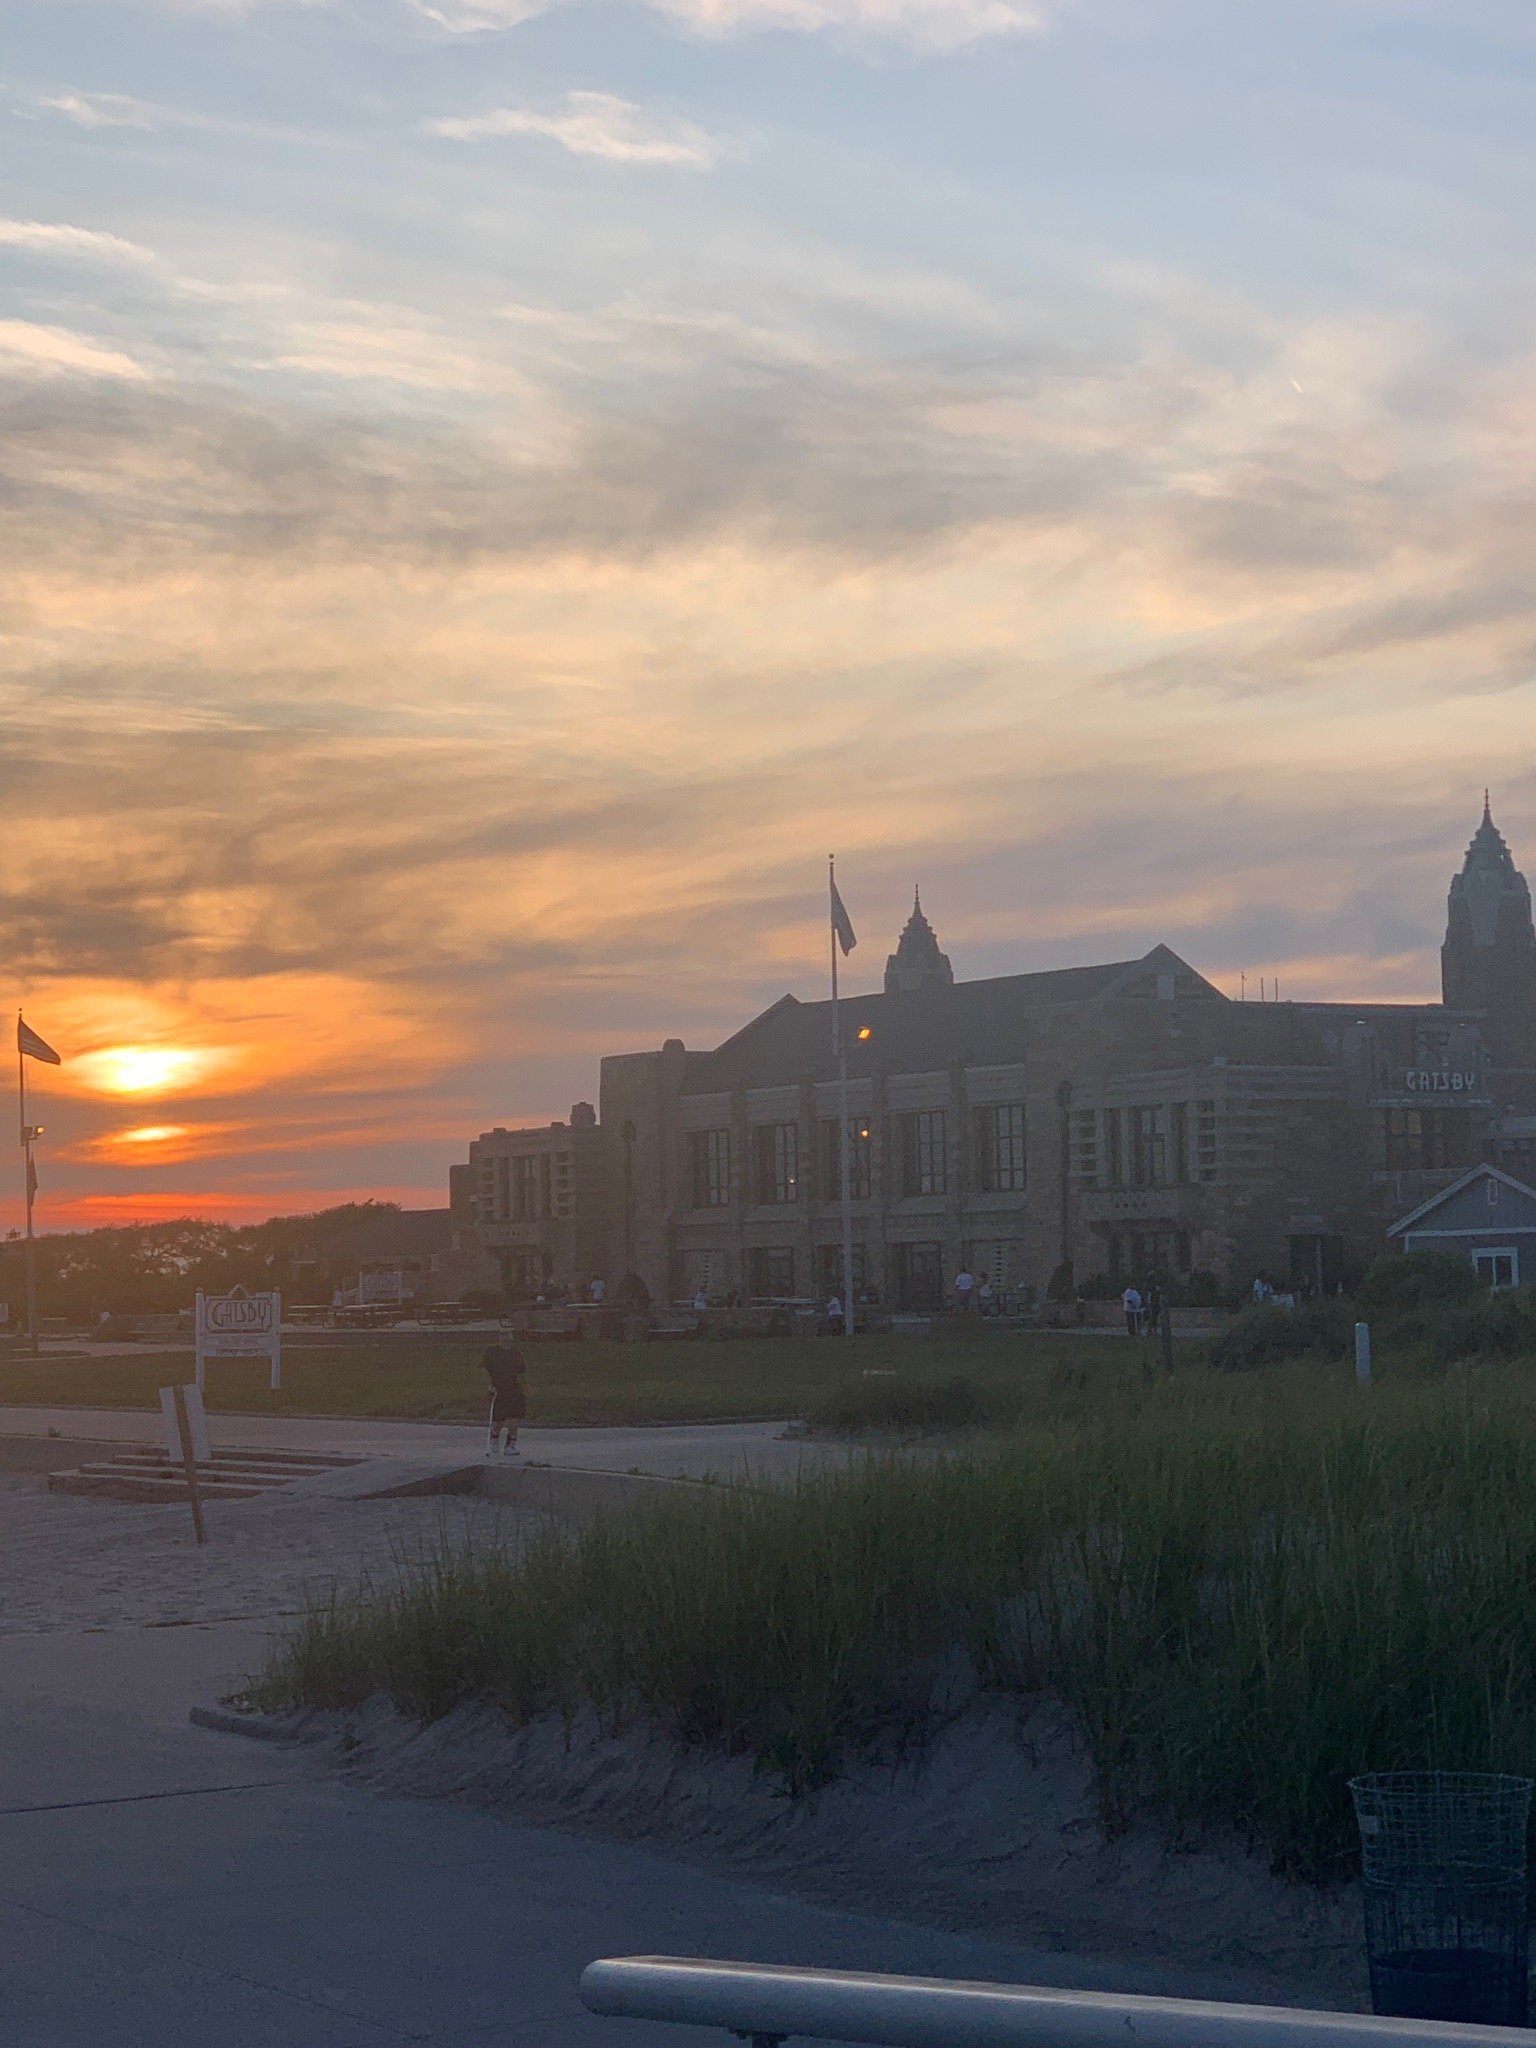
x: 186, y: 1439
x: 240, y: 1325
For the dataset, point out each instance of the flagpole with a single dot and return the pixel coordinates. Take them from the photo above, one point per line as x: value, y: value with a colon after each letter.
x: 26, y: 1149
x: 840, y: 1053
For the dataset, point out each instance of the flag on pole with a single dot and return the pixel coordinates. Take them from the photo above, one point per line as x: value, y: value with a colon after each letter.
x: 31, y: 1180
x: 36, y: 1048
x: 842, y: 924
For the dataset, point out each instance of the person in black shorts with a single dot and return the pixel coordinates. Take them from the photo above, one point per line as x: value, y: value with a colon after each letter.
x: 507, y: 1370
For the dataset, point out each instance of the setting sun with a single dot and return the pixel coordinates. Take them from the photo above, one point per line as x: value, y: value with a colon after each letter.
x: 146, y: 1069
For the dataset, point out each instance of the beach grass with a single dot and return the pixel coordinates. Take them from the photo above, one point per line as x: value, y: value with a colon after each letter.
x: 1245, y: 1588
x: 437, y: 1379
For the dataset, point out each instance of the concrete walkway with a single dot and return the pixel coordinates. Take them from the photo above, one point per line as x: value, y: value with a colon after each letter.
x: 722, y: 1450
x: 165, y: 1887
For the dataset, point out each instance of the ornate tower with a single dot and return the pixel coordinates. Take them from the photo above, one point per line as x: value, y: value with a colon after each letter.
x: 917, y: 962
x: 1488, y: 961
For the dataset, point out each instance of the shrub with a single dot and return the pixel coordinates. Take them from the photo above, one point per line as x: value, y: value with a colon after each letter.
x: 1101, y: 1287
x: 1062, y: 1285
x: 1266, y: 1333
x: 1408, y: 1287
x: 887, y: 1403
x: 1200, y: 1290
x: 1498, y: 1325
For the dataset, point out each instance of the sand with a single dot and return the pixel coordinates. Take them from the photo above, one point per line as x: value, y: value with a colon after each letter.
x: 993, y: 1831
x: 68, y: 1563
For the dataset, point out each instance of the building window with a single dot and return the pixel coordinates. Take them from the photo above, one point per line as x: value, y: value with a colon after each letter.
x: 703, y: 1272
x: 1178, y: 1142
x: 1085, y: 1146
x: 1205, y: 1140
x: 1114, y: 1149
x: 919, y: 1272
x: 771, y: 1271
x: 1429, y: 1138
x: 777, y: 1161
x: 861, y: 1145
x: 1158, y: 1145
x: 1497, y: 1269
x: 996, y: 1262
x: 711, y: 1169
x: 1000, y: 1149
x: 1149, y: 1150
x: 525, y: 1199
x: 924, y: 1170
x: 829, y: 1272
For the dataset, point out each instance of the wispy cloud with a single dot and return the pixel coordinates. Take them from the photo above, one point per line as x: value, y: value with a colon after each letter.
x: 596, y: 124
x: 34, y: 349
x: 929, y: 24
x: 103, y: 110
x: 58, y: 238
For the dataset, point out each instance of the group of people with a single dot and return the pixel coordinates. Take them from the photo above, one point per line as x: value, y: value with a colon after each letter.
x: 1143, y: 1311
x: 975, y: 1294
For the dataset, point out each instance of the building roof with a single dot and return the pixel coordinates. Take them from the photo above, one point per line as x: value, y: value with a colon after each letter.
x: 922, y: 1030
x: 1448, y: 1207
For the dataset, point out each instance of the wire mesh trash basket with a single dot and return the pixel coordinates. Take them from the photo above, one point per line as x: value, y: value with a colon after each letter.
x: 1444, y: 1867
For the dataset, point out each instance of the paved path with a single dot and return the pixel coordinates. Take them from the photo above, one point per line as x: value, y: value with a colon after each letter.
x: 165, y: 1887
x: 717, y: 1450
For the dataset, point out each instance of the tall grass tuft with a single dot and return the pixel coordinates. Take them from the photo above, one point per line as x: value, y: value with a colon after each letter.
x: 1244, y: 1587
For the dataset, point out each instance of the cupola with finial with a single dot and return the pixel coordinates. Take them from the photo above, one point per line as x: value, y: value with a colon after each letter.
x: 917, y: 962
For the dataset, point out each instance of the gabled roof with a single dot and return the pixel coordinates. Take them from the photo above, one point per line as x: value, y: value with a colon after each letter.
x: 922, y: 1030
x: 1457, y: 1187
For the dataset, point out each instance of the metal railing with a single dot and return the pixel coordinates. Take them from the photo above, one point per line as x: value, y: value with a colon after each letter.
x: 772, y: 2005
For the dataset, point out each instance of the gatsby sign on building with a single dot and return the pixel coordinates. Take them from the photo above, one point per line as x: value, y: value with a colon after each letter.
x: 240, y: 1325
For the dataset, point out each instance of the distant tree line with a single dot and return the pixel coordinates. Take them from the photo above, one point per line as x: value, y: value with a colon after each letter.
x: 157, y: 1268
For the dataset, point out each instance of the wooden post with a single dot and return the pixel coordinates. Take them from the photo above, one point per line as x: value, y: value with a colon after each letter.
x: 189, y: 1461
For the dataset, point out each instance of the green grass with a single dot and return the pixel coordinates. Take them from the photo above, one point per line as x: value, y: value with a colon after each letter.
x: 437, y: 1380
x: 1245, y: 1588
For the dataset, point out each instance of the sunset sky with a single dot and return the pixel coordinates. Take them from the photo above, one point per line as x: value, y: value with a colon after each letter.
x: 499, y: 490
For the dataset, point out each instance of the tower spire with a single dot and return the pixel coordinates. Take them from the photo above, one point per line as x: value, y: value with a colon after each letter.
x: 917, y: 962
x: 1488, y: 961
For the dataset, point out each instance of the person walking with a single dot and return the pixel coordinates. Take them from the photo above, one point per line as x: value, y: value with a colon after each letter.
x: 965, y: 1288
x: 507, y: 1370
x: 1130, y: 1301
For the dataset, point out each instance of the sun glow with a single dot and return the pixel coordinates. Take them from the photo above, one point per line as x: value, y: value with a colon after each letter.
x: 152, y: 1134
x: 146, y: 1069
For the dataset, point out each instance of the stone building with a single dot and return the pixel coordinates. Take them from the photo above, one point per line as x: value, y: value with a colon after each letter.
x: 538, y: 1201
x: 1129, y: 1118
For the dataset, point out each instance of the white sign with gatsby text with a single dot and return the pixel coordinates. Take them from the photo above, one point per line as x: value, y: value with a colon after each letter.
x: 240, y: 1325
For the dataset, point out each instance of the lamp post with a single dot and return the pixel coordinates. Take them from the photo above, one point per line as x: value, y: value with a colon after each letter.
x: 29, y: 1135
